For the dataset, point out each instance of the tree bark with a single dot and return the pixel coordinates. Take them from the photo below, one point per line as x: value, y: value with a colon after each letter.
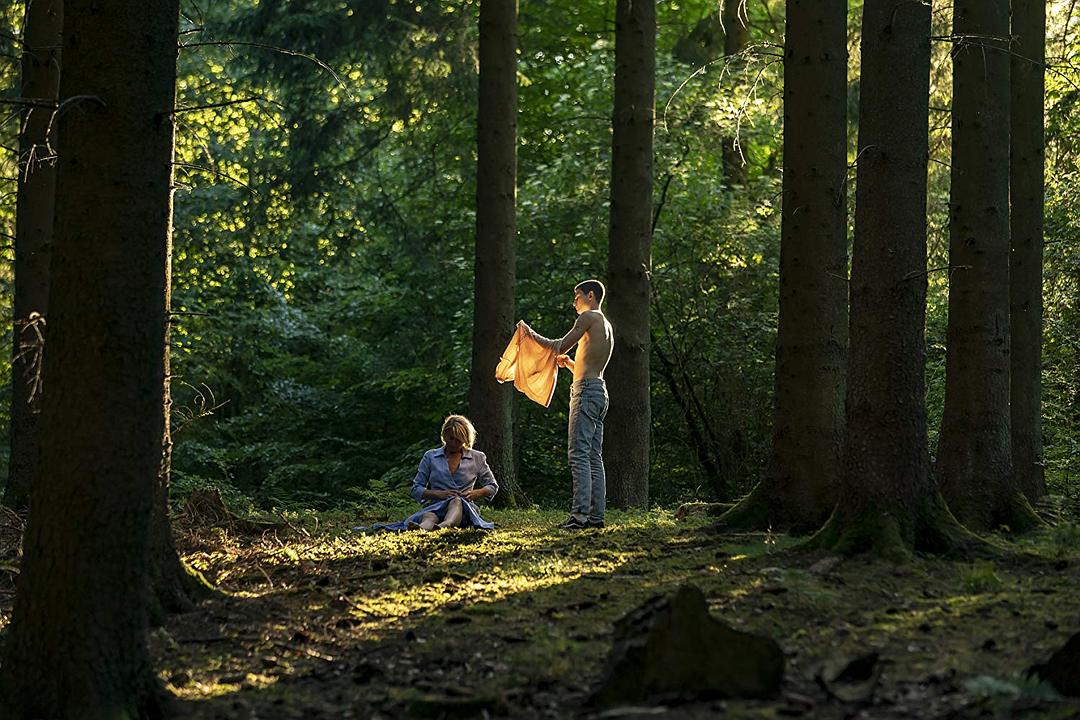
x: 33, y: 236
x: 173, y: 585
x: 800, y: 484
x: 736, y: 38
x: 974, y: 461
x: 887, y: 502
x: 627, y: 431
x: 491, y: 403
x: 76, y: 647
x: 1027, y: 162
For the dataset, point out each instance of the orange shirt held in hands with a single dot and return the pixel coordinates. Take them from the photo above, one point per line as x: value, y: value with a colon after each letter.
x: 530, y: 366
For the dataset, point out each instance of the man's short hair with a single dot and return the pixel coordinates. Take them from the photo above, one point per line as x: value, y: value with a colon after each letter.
x: 592, y: 286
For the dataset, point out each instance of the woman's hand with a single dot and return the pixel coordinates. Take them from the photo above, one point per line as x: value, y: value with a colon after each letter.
x: 476, y: 494
x: 440, y: 494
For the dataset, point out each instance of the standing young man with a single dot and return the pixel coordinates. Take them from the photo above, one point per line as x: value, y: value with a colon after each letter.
x: 594, y: 337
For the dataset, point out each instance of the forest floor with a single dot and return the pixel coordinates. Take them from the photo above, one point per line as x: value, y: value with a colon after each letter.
x: 329, y: 623
x: 322, y: 622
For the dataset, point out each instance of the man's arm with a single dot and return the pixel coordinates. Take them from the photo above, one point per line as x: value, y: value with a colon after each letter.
x: 567, y: 341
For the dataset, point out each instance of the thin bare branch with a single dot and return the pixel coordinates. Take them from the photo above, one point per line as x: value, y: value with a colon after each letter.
x: 274, y: 48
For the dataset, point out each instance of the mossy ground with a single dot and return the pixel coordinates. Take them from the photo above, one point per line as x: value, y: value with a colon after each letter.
x: 327, y: 623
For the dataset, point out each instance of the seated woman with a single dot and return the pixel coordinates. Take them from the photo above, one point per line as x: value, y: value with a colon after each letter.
x: 451, y: 479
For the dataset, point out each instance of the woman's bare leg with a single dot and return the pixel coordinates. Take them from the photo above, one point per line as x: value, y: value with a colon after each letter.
x: 453, y: 514
x: 427, y: 522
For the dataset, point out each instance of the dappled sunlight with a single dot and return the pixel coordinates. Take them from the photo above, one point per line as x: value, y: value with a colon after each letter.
x: 314, y: 615
x: 541, y: 592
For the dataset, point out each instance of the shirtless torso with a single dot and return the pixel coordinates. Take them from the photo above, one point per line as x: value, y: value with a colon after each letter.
x: 594, y: 347
x: 594, y: 337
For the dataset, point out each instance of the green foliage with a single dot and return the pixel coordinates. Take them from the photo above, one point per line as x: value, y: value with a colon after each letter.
x: 326, y: 287
x: 1065, y: 538
x: 324, y: 219
x: 982, y: 577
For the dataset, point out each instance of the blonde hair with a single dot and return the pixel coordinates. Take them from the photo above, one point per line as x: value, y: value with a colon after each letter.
x: 459, y: 428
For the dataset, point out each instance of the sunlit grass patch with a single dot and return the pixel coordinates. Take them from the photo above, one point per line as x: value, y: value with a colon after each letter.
x: 982, y: 577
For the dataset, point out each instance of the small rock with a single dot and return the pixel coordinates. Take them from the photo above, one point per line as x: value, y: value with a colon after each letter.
x: 825, y: 565
x: 853, y: 680
x: 798, y: 700
x: 180, y: 679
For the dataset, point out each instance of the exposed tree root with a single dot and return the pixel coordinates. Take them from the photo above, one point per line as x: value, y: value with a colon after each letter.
x: 1019, y: 516
x: 982, y: 513
x: 176, y: 587
x: 761, y: 510
x: 885, y: 533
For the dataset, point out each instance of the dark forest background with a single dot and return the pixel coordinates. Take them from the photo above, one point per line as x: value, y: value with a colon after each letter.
x: 324, y: 229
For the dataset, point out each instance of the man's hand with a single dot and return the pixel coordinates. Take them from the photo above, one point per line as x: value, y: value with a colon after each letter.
x: 564, y: 361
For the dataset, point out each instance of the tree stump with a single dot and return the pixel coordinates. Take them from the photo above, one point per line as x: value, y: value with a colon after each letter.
x: 672, y: 648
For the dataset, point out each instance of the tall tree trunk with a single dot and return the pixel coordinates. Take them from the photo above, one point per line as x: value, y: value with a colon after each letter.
x: 887, y: 499
x: 974, y: 461
x: 76, y: 647
x: 800, y: 484
x: 1026, y: 217
x: 33, y: 236
x: 490, y: 403
x: 736, y: 38
x: 173, y: 585
x: 626, y: 437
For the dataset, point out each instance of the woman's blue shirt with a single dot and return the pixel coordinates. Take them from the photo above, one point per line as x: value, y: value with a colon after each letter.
x: 434, y: 473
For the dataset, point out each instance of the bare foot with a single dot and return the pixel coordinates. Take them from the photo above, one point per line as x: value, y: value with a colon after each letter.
x: 415, y: 526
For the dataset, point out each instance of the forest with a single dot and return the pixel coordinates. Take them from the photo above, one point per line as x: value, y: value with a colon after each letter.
x: 289, y: 283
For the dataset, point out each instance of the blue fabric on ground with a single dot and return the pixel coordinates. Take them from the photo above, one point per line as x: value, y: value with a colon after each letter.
x: 470, y: 517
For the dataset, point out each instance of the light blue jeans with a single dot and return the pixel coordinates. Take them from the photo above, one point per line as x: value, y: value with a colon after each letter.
x: 588, y: 408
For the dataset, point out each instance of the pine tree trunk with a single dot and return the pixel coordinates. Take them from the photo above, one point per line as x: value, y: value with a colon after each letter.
x: 76, y: 647
x: 887, y: 499
x: 1026, y: 217
x: 800, y: 485
x: 490, y: 403
x: 33, y: 236
x: 174, y: 586
x: 974, y: 461
x: 627, y: 429
x: 736, y: 38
